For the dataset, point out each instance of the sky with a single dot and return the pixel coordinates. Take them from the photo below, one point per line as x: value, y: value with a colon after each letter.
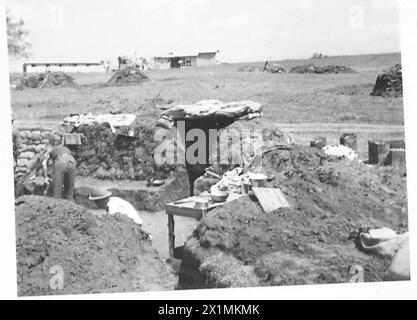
x: 243, y: 30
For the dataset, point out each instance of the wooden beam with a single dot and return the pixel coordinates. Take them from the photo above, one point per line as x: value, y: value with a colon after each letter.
x: 271, y: 199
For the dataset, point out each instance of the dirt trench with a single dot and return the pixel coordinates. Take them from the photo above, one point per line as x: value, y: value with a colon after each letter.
x: 238, y: 245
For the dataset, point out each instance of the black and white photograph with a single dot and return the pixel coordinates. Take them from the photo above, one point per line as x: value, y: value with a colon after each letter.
x: 194, y: 144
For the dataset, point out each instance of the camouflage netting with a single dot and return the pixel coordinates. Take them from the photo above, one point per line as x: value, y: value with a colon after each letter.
x: 389, y: 83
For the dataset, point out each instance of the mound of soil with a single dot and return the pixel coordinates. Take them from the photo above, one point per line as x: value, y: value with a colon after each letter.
x: 45, y: 80
x: 127, y: 75
x: 311, y: 68
x: 307, y: 243
x: 389, y: 83
x: 93, y: 254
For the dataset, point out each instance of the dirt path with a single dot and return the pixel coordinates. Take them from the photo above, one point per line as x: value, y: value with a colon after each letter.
x: 325, y: 127
x: 156, y: 224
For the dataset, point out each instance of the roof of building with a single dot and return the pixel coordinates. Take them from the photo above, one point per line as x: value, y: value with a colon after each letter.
x: 62, y: 63
x: 176, y: 57
x: 185, y: 55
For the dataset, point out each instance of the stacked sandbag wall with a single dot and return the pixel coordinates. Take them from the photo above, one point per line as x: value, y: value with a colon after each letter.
x: 104, y: 154
x: 32, y: 142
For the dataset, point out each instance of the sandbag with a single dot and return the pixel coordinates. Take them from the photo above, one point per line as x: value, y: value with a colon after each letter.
x: 399, y: 269
x: 387, y: 243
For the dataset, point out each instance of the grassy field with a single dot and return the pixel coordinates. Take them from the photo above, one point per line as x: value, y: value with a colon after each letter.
x: 305, y: 105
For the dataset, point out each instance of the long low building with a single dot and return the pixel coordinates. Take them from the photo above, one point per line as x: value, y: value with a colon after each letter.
x: 68, y: 67
x: 182, y: 61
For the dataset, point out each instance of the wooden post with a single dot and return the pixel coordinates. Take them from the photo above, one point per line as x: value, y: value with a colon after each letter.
x: 397, y: 158
x: 378, y: 152
x: 349, y: 140
x: 171, y: 235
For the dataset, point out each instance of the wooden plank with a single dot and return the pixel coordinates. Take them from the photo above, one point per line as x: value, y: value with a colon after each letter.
x: 271, y: 199
x: 184, y: 212
x: 171, y: 235
x: 186, y: 207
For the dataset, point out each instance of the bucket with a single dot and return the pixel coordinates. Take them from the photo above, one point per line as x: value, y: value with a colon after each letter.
x: 349, y: 140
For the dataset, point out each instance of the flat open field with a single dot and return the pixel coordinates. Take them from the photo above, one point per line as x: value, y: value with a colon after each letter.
x: 304, y: 105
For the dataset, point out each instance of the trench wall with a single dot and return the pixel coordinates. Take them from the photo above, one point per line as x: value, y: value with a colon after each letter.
x: 102, y: 153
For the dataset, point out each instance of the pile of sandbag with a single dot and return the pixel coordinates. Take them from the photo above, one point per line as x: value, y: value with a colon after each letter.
x: 127, y: 75
x: 389, y: 83
x: 32, y: 142
x: 44, y: 80
x: 311, y: 68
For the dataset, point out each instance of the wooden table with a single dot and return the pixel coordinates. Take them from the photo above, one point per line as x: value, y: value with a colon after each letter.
x: 186, y: 208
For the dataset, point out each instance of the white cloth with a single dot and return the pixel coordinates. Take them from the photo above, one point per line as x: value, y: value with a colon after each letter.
x: 387, y: 243
x: 206, y: 108
x: 118, y: 205
x: 340, y: 151
x: 114, y: 120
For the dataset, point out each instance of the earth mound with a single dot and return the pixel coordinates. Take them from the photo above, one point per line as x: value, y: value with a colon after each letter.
x: 389, y: 83
x: 104, y: 254
x: 45, y: 80
x: 129, y: 75
x: 311, y: 68
x: 307, y: 243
